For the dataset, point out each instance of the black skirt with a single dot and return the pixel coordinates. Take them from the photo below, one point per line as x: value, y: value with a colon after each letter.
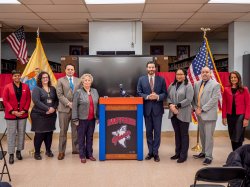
x: 235, y: 127
x: 43, y: 122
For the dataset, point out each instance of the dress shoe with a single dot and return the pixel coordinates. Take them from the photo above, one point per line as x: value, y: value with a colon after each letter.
x: 148, y: 157
x: 156, y: 158
x: 49, y: 153
x: 83, y: 160
x: 175, y: 157
x: 201, y: 155
x: 75, y: 152
x: 181, y: 160
x: 11, y: 159
x: 60, y: 156
x: 18, y: 155
x: 92, y: 158
x: 207, y: 162
x: 37, y: 156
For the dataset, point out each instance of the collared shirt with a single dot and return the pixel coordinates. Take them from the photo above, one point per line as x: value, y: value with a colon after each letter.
x: 72, y: 78
x: 205, y: 82
x: 153, y: 76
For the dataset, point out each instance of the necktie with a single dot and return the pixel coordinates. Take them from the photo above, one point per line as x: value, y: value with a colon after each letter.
x: 71, y: 84
x: 199, y: 95
x: 151, y: 82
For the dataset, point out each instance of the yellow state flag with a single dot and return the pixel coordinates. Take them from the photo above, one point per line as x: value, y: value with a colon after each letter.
x: 38, y: 62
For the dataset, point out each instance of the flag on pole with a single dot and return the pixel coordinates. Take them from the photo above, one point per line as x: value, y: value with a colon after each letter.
x: 38, y: 62
x: 202, y: 59
x: 18, y: 44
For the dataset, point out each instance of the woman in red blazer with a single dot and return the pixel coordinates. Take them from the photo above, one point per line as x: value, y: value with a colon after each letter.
x: 16, y: 100
x: 236, y: 109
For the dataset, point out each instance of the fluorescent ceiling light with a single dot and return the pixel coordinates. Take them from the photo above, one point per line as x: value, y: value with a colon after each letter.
x: 9, y: 2
x: 114, y: 1
x: 230, y: 1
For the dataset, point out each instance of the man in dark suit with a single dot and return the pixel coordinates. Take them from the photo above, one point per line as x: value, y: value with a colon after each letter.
x: 153, y: 90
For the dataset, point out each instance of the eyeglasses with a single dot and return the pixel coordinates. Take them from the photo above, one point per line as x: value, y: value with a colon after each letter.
x: 45, y: 77
x: 179, y: 74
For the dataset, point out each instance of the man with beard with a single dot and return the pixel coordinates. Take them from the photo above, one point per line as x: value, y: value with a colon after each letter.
x: 205, y: 103
x: 153, y: 90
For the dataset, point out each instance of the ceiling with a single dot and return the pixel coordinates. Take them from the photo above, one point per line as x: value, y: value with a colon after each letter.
x: 163, y: 20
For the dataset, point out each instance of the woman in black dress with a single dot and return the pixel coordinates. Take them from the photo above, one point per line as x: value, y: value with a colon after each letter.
x: 236, y: 109
x: 43, y: 114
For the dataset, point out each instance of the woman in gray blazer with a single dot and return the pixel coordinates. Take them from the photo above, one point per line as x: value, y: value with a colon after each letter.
x: 180, y: 96
x: 85, y: 114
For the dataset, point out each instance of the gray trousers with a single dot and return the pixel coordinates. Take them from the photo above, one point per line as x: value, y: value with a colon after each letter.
x: 15, y: 128
x: 64, y: 120
x: 206, y: 129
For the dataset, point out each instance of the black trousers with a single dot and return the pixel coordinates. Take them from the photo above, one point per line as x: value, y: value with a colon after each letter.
x: 181, y: 137
x: 236, y: 145
x: 85, y: 131
x: 153, y: 132
x: 45, y: 137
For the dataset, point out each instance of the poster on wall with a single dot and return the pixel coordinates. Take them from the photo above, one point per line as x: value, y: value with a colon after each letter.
x: 121, y: 133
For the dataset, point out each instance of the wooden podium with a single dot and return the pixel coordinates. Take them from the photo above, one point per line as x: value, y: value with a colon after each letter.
x: 121, y: 128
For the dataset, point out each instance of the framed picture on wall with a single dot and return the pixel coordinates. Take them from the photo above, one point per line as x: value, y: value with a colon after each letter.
x: 156, y: 50
x: 183, y: 51
x: 75, y: 50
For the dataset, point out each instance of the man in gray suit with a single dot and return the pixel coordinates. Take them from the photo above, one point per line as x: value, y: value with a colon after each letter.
x: 66, y: 87
x: 205, y: 103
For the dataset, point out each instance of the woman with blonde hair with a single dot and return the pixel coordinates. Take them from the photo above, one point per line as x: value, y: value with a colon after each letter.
x: 85, y: 114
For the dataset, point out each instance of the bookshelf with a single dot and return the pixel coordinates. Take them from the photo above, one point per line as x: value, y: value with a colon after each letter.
x: 221, y: 64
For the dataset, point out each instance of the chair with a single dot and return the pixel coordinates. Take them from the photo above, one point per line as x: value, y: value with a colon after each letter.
x: 2, y: 157
x: 219, y: 175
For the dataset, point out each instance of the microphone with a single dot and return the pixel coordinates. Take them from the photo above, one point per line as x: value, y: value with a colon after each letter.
x: 123, y: 92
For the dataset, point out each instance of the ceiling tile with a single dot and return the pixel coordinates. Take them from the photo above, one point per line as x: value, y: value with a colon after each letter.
x: 63, y: 15
x: 172, y: 7
x: 23, y: 21
x: 18, y: 16
x: 115, y: 8
x: 217, y: 15
x: 67, y: 21
x: 13, y: 8
x: 224, y: 8
x: 208, y: 21
x: 245, y: 17
x: 70, y: 28
x: 177, y: 1
x: 163, y: 21
x: 58, y: 8
x: 116, y: 15
x: 68, y: 2
x: 36, y: 2
x: 166, y: 15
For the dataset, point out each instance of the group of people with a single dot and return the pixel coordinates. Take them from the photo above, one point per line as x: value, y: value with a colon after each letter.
x: 73, y: 98
x: 183, y: 99
x: 77, y: 104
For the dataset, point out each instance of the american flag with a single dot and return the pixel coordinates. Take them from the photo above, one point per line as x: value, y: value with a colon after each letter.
x: 18, y: 44
x: 204, y: 58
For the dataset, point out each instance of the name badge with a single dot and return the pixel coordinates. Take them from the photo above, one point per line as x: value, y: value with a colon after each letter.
x: 49, y: 100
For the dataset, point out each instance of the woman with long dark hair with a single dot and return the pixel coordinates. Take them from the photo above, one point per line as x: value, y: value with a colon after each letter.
x: 236, y: 109
x: 180, y: 96
x: 43, y: 114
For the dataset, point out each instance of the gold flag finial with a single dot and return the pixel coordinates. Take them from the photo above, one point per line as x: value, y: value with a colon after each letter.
x: 205, y: 31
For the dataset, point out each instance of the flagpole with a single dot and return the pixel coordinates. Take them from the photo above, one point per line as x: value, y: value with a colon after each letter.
x: 197, y: 147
